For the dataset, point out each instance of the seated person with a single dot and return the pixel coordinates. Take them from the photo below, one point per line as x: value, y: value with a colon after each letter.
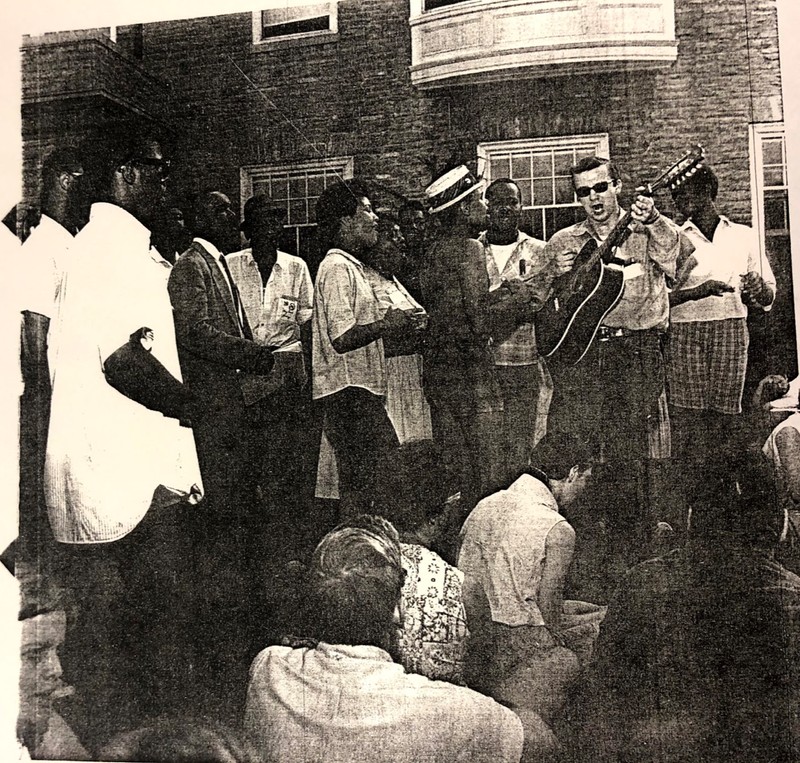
x: 698, y: 655
x: 516, y: 548
x: 340, y: 697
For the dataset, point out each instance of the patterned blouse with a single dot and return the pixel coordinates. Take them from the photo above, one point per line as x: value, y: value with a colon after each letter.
x: 434, y: 637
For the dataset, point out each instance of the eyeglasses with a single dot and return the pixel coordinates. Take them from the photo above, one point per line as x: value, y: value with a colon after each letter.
x: 162, y: 165
x: 585, y: 190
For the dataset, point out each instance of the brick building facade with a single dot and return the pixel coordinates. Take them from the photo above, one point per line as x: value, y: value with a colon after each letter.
x: 284, y: 101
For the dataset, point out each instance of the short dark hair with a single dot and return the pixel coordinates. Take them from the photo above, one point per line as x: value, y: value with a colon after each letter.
x: 337, y: 202
x: 62, y: 159
x: 412, y: 205
x: 105, y: 152
x: 589, y: 163
x: 355, y: 582
x: 703, y: 182
x: 558, y: 452
x: 503, y: 181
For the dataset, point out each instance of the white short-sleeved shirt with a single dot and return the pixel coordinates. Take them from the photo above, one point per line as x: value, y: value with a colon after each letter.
x: 340, y: 704
x: 734, y: 251
x: 343, y: 298
x: 277, y: 310
x: 46, y: 253
x: 503, y: 549
x: 107, y: 454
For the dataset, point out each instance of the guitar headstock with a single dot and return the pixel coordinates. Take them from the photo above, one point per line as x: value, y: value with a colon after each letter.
x: 682, y: 170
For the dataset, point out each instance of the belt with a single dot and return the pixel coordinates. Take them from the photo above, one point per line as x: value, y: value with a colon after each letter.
x: 605, y: 333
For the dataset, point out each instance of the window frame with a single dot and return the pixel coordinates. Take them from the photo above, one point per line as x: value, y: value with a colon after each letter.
x: 595, y: 143
x: 298, y: 38
x: 343, y: 166
x: 758, y: 133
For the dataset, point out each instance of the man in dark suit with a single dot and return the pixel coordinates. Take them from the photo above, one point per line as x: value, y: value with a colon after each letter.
x: 221, y: 364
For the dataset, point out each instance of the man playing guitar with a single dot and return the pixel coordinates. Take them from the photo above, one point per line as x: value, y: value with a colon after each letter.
x: 615, y: 396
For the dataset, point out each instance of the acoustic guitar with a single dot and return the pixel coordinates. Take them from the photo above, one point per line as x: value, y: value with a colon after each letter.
x: 568, y: 322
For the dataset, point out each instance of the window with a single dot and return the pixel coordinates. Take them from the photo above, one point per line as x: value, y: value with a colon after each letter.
x: 541, y: 169
x: 769, y: 179
x: 296, y: 188
x: 431, y: 5
x: 293, y: 19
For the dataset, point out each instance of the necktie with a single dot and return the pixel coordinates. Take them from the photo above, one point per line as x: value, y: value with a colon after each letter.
x: 234, y: 291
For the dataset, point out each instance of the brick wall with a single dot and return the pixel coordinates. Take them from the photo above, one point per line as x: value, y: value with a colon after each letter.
x: 354, y: 97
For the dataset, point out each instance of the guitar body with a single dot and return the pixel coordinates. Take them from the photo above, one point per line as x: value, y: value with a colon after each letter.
x: 567, y: 323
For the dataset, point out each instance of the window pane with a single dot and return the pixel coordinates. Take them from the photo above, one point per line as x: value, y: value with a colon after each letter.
x: 564, y: 192
x: 776, y: 213
x: 297, y: 187
x: 773, y: 176
x: 525, y: 187
x: 261, y: 186
x: 542, y: 192
x: 498, y: 167
x: 542, y: 166
x: 772, y: 150
x: 280, y: 188
x: 295, y: 19
x: 532, y: 222
x: 521, y: 166
x: 562, y: 161
x: 297, y: 212
x: 316, y: 185
x: 432, y: 4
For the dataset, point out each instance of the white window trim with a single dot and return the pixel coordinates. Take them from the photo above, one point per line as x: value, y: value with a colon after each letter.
x: 596, y: 143
x: 758, y: 132
x: 320, y: 35
x: 343, y: 165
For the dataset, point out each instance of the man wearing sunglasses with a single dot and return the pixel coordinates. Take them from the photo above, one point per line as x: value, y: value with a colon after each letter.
x: 121, y: 472
x: 614, y: 396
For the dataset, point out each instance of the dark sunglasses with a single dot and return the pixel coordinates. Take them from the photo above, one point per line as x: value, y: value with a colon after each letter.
x: 600, y: 187
x: 161, y: 165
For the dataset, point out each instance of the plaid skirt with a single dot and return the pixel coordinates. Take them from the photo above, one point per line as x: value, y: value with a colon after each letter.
x: 706, y: 364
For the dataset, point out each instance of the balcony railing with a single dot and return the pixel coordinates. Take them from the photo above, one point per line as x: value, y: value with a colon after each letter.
x: 484, y: 40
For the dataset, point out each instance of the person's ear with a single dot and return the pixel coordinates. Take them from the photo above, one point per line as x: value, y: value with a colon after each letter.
x: 573, y: 473
x: 65, y: 180
x: 128, y: 173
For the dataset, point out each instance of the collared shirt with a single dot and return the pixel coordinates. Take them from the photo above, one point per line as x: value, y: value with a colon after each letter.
x: 503, y: 549
x: 46, y: 256
x: 344, y: 703
x: 217, y: 255
x: 343, y: 298
x: 107, y: 454
x: 645, y: 301
x: 519, y: 349
x: 275, y: 311
x: 733, y: 251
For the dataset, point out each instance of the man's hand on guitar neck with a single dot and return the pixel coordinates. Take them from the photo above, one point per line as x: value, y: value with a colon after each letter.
x: 643, y: 210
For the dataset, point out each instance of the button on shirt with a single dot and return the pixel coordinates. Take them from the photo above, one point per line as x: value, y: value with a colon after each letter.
x: 107, y: 454
x: 277, y: 310
x: 343, y: 298
x: 340, y: 704
x: 45, y: 252
x: 733, y: 251
x: 503, y: 549
x: 645, y: 301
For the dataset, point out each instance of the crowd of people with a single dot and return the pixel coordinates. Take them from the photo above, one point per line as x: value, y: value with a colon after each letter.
x: 362, y: 516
